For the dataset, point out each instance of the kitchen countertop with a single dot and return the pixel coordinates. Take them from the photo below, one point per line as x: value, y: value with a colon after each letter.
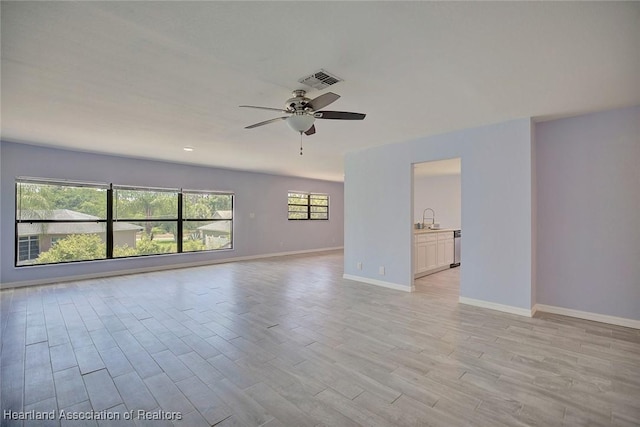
x: 426, y: 230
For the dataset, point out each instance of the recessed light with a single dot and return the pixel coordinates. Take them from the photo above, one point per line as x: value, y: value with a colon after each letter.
x: 188, y: 148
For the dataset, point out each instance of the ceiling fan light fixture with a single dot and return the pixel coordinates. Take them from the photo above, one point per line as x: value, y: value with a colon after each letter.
x: 300, y: 122
x: 303, y: 112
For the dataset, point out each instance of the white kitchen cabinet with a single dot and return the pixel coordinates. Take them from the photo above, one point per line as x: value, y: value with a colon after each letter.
x: 440, y: 258
x: 432, y: 255
x: 420, y: 254
x: 433, y: 252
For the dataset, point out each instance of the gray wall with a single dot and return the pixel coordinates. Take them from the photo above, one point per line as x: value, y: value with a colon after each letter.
x: 496, y: 210
x: 588, y: 211
x: 549, y: 212
x: 262, y: 194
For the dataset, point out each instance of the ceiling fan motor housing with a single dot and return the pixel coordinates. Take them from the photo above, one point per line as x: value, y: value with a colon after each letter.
x: 298, y: 102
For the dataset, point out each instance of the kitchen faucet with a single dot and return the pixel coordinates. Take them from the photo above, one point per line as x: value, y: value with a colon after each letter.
x: 433, y: 216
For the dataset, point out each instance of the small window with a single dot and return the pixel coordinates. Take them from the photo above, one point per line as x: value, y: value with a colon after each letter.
x: 28, y: 248
x: 307, y: 206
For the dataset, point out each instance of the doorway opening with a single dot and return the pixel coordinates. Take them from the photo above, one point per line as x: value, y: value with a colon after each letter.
x: 437, y: 218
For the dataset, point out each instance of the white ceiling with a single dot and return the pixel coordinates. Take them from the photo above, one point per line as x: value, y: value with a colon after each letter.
x: 145, y: 79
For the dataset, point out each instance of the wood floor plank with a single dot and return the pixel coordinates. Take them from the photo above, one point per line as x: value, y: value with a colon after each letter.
x: 134, y: 392
x: 287, y: 341
x: 205, y: 401
x: 42, y: 406
x: 278, y: 406
x: 167, y: 394
x: 70, y: 389
x: 247, y: 410
x: 352, y: 409
x: 101, y: 389
x: 203, y: 369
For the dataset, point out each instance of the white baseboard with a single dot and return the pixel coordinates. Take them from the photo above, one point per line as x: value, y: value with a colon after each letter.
x: 73, y: 278
x: 495, y: 306
x: 376, y: 282
x: 603, y: 318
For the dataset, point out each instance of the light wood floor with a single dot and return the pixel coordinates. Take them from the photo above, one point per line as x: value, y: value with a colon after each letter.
x: 288, y: 342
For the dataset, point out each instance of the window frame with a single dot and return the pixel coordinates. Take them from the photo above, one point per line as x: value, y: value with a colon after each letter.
x: 309, y: 211
x: 59, y: 183
x: 185, y: 217
x: 110, y: 219
x: 116, y: 218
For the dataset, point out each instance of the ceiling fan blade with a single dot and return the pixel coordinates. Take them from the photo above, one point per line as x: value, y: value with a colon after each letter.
x: 322, y: 101
x: 265, y: 108
x: 266, y: 122
x: 338, y: 115
x: 311, y: 130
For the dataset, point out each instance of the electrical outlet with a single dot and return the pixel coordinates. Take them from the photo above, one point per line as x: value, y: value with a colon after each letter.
x: 359, y: 265
x: 381, y: 270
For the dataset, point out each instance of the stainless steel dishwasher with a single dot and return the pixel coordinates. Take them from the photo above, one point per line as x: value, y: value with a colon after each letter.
x: 457, y: 239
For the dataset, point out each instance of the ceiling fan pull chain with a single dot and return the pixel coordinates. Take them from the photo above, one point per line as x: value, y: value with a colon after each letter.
x: 301, y: 143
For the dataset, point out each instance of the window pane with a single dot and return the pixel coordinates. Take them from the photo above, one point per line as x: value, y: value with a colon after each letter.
x: 319, y: 209
x: 317, y: 199
x: 294, y: 208
x: 207, y: 235
x: 207, y: 206
x: 298, y: 195
x: 49, y: 243
x: 298, y: 215
x: 144, y: 238
x: 319, y: 215
x: 145, y: 204
x: 59, y: 202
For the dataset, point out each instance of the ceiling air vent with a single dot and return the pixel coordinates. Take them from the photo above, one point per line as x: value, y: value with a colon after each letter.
x: 320, y: 79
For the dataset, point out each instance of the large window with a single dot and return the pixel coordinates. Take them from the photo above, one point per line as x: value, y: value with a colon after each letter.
x: 207, y: 221
x: 308, y: 206
x: 145, y: 221
x: 60, y: 221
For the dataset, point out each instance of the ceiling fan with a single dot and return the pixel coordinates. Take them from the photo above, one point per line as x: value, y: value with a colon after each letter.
x: 302, y: 112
